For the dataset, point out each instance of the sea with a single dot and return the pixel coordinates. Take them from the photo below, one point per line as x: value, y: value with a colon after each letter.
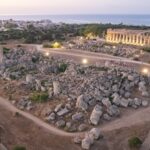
x: 84, y: 19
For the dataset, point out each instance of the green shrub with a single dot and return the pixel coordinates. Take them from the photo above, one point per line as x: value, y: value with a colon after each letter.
x: 47, y: 46
x: 62, y: 67
x: 35, y: 59
x: 19, y: 148
x: 134, y: 142
x: 147, y: 49
x: 19, y: 45
x: 81, y: 71
x: 3, y: 43
x: 6, y: 50
x: 39, y: 96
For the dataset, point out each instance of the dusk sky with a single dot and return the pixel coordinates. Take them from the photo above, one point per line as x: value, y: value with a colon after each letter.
x: 20, y: 7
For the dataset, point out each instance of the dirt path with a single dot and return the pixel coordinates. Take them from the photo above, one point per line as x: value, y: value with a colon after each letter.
x: 146, y: 144
x: 92, y: 55
x: 126, y: 121
x: 138, y: 117
x: 6, y: 104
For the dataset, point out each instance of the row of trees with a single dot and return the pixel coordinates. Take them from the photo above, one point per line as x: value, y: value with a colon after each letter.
x: 59, y: 32
x: 37, y: 35
x: 100, y: 29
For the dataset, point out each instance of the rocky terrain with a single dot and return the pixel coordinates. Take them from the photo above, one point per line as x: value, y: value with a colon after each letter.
x: 115, y: 50
x: 71, y: 96
x: 21, y: 131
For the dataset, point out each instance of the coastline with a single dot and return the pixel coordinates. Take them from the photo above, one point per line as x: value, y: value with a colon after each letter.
x: 85, y: 19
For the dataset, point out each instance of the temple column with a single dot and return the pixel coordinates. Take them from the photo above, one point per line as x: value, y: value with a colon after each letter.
x: 141, y: 42
x: 149, y: 41
x: 116, y: 37
x: 126, y: 38
x: 109, y: 37
x: 118, y: 41
x: 134, y: 39
x: 130, y: 41
x: 123, y: 39
x: 137, y: 40
x: 144, y: 40
x: 120, y: 38
x: 113, y: 39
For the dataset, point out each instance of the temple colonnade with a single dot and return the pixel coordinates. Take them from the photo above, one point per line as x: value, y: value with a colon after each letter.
x: 133, y: 37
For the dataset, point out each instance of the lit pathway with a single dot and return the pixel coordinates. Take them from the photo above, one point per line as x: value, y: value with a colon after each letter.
x: 92, y: 57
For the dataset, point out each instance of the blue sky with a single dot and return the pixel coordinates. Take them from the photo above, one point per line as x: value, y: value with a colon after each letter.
x: 21, y: 7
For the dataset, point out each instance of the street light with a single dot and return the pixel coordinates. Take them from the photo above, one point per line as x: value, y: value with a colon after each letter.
x: 56, y: 45
x: 145, y: 71
x: 47, y: 54
x: 84, y: 61
x: 81, y: 38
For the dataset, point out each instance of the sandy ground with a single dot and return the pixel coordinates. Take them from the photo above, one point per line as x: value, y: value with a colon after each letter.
x: 118, y: 139
x: 20, y: 131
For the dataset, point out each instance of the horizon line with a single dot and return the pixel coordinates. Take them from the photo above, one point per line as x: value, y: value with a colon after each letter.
x: 68, y: 14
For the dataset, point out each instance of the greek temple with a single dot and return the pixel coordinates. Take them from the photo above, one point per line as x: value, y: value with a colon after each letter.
x: 132, y: 37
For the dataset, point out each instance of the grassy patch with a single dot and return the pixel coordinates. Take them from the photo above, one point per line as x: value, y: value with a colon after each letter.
x: 19, y: 45
x: 39, y: 96
x: 47, y: 46
x: 3, y: 43
x: 62, y: 67
x: 134, y: 142
x: 147, y: 49
x: 35, y: 59
x: 19, y: 148
x: 98, y: 68
x: 6, y: 50
x: 81, y: 71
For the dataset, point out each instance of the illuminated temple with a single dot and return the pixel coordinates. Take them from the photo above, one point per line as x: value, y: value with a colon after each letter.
x: 133, y: 37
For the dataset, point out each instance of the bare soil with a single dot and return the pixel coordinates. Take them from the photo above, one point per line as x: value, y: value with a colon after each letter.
x: 20, y: 131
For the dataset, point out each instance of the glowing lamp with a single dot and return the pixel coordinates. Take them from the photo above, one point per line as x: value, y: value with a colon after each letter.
x: 145, y: 71
x: 84, y: 61
x: 90, y: 36
x: 56, y: 45
x: 47, y: 54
